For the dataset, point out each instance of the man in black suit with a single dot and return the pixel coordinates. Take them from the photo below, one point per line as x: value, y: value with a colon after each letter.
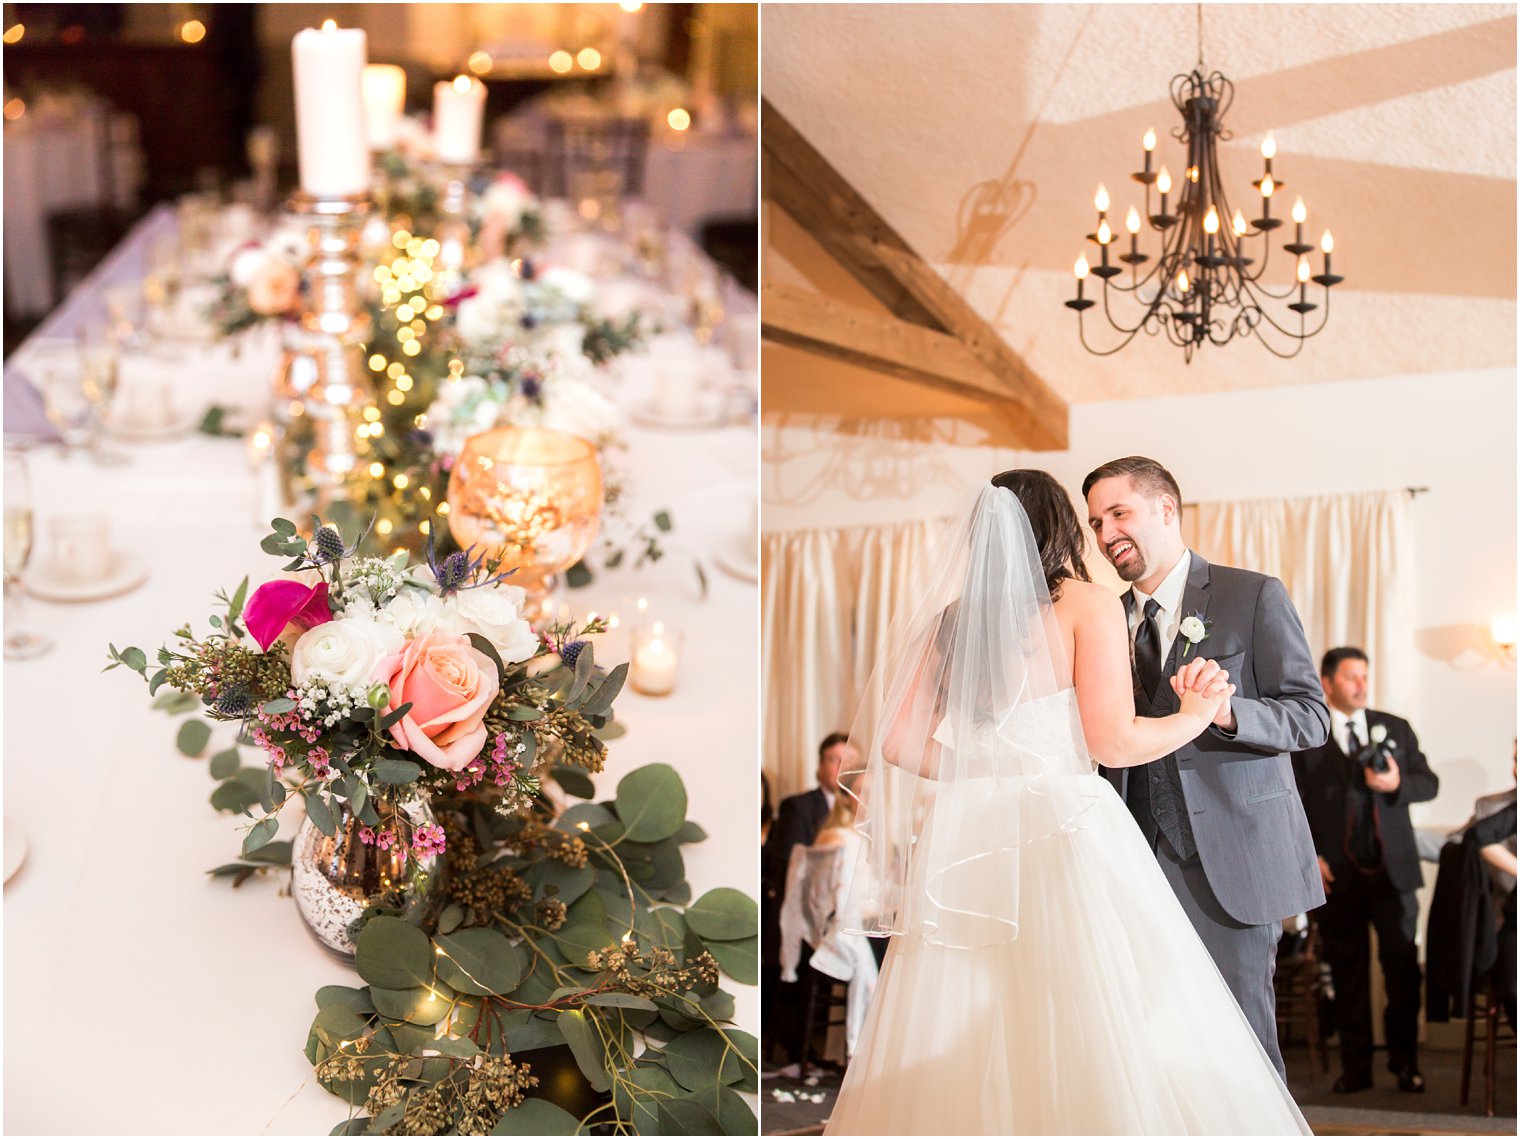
x: 800, y: 816
x: 797, y: 824
x: 1356, y: 791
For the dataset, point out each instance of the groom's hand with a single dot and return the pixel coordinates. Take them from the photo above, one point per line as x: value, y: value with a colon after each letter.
x: 1198, y: 674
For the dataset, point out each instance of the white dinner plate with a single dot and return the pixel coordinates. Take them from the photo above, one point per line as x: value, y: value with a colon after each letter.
x: 709, y: 414
x: 734, y: 556
x: 182, y: 423
x: 15, y: 849
x: 127, y: 573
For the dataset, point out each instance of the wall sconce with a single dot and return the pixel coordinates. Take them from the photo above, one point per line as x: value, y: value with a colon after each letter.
x: 1503, y: 631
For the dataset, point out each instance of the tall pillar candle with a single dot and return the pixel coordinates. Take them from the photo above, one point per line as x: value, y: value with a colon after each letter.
x: 384, y: 101
x: 331, y: 144
x: 458, y: 111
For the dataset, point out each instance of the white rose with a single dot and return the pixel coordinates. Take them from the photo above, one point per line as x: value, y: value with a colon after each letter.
x: 344, y: 651
x: 565, y: 340
x: 1378, y: 733
x: 495, y: 613
x: 1192, y: 629
x: 413, y: 612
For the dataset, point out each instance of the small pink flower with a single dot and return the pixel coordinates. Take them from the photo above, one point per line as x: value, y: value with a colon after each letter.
x: 274, y: 289
x: 282, y: 602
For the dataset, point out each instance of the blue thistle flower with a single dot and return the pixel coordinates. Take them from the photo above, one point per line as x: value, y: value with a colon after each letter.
x: 532, y: 387
x: 329, y: 544
x: 571, y: 653
x: 233, y: 702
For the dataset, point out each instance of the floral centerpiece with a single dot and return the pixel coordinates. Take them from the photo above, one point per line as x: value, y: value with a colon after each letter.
x: 260, y: 284
x: 562, y: 979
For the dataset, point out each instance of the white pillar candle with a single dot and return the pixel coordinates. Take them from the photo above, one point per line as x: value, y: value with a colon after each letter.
x: 459, y: 108
x: 333, y: 153
x: 384, y: 87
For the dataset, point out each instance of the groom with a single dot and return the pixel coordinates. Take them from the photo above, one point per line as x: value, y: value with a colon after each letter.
x: 1222, y: 814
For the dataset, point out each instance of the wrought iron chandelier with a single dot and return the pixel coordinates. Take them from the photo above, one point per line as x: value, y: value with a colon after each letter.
x: 1206, y: 285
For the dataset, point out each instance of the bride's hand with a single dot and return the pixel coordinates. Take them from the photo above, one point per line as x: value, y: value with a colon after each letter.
x: 1198, y: 674
x: 1205, y: 703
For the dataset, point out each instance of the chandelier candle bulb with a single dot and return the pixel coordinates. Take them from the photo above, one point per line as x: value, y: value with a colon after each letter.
x: 1081, y: 269
x: 458, y: 111
x: 1149, y: 142
x: 330, y: 122
x: 1269, y: 151
x: 1100, y: 199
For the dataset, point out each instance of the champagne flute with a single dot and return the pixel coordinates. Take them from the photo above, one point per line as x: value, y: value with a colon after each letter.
x: 100, y: 373
x: 19, y: 644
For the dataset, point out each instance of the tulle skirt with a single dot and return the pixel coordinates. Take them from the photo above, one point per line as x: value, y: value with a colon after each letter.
x: 1103, y: 1016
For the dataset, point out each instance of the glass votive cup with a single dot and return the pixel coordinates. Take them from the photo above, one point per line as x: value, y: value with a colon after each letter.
x: 654, y: 658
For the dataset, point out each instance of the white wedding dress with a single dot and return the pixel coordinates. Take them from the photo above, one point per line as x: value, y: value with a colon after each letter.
x: 1096, y: 1012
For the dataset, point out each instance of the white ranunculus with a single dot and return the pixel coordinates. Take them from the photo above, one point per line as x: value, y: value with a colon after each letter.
x: 577, y: 408
x: 496, y: 614
x: 344, y: 651
x: 413, y: 612
x: 1192, y: 629
x: 575, y: 286
x: 247, y: 263
x: 1378, y: 733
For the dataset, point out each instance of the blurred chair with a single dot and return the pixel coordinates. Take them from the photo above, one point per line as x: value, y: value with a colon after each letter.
x: 1300, y: 986
x: 1483, y: 1002
x: 596, y: 156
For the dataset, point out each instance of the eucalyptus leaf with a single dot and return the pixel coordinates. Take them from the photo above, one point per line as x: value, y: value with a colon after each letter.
x: 739, y: 959
x: 278, y: 707
x: 685, y: 1117
x: 651, y: 802
x: 394, y: 717
x: 424, y: 1004
x: 725, y: 914
x: 575, y: 781
x: 698, y: 1059
x: 483, y: 645
x: 262, y: 832
x: 234, y: 796
x: 394, y: 954
x: 606, y: 692
x: 224, y: 764
x: 537, y: 1117
x: 194, y: 734
x: 479, y: 961
x: 690, y: 832
x: 592, y: 814
x: 586, y: 1046
x: 397, y: 772
x: 621, y: 1000
x: 272, y: 854
x: 319, y: 811
x: 535, y: 1032
x: 175, y: 702
x: 341, y: 996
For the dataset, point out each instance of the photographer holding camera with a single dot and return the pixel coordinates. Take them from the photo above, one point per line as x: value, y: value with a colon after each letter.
x: 1356, y: 789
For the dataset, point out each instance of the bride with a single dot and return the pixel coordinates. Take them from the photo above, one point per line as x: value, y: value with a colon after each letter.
x: 1042, y: 977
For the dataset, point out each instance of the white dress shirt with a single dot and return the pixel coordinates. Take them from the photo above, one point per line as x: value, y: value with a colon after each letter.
x: 1168, y: 596
x: 1339, y: 722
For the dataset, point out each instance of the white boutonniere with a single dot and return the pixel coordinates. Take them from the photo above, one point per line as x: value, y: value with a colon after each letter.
x: 1378, y: 733
x: 1194, y: 630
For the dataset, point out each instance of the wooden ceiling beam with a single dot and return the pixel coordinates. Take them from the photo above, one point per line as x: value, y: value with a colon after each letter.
x: 880, y: 342
x: 801, y: 181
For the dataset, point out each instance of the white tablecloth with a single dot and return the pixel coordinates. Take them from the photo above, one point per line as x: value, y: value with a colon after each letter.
x: 141, y: 996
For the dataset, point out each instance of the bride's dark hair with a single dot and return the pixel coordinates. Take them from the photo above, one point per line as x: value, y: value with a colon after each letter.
x: 1057, y: 530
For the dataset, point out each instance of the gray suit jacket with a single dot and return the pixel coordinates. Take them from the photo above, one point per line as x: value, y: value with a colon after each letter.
x: 1242, y: 801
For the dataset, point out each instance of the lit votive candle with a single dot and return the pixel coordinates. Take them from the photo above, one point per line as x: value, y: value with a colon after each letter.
x: 656, y: 655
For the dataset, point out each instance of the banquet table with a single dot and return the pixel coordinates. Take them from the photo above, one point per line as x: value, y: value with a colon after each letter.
x: 143, y: 996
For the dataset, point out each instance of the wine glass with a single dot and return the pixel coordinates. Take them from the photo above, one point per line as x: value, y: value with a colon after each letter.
x: 19, y: 644
x: 68, y: 407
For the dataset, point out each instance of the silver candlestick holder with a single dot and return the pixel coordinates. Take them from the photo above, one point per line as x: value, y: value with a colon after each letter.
x: 322, y: 385
x: 455, y: 199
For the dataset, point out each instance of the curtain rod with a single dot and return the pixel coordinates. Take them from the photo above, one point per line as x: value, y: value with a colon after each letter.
x: 1412, y: 491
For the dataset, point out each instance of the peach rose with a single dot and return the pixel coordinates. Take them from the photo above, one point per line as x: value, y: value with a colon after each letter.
x: 449, y: 685
x: 274, y: 289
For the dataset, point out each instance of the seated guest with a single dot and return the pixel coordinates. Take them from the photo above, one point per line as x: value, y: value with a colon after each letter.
x: 817, y: 911
x: 1356, y: 789
x: 800, y: 816
x: 1494, y: 833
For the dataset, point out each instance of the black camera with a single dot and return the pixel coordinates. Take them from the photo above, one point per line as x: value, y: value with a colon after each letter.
x: 1375, y: 755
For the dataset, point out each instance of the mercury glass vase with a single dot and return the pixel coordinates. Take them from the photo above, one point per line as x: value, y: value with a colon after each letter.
x: 337, y: 879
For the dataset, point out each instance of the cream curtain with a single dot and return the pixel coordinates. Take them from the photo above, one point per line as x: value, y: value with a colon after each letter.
x: 827, y: 599
x: 1347, y: 561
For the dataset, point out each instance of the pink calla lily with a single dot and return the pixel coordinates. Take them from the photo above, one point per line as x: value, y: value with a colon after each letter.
x: 276, y: 604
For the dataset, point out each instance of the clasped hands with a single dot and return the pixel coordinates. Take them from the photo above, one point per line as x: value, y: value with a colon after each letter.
x: 1205, y: 690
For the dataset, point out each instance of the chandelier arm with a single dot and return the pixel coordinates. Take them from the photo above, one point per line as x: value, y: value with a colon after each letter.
x: 1121, y: 328
x: 1123, y: 344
